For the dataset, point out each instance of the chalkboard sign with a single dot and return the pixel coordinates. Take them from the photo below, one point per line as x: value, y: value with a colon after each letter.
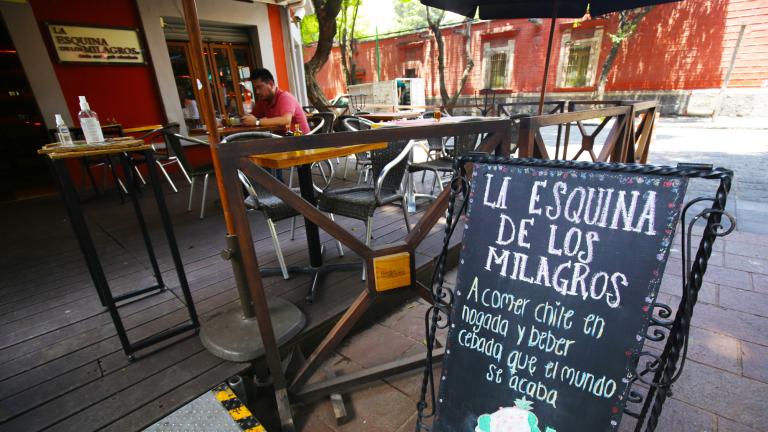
x: 557, y: 277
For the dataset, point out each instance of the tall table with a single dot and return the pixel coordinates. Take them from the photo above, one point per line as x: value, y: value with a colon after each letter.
x: 57, y: 156
x: 303, y: 159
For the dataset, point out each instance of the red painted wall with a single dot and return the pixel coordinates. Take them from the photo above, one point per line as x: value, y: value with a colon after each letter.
x: 678, y: 46
x: 127, y: 93
x: 276, y: 29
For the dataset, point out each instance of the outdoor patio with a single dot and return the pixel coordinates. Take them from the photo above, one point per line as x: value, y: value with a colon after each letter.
x: 61, y: 366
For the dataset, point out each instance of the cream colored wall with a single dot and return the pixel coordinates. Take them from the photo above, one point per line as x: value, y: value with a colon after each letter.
x: 220, y: 12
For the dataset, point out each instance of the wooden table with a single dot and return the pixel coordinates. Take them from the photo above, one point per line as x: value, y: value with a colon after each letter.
x: 389, y: 116
x: 56, y: 154
x: 303, y: 160
x: 229, y: 130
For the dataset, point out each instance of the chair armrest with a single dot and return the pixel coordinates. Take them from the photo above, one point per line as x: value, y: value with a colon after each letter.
x: 190, y: 139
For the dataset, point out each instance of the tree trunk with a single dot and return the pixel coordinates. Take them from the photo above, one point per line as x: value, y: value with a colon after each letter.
x: 449, y: 101
x: 327, y: 11
x: 625, y: 29
x: 467, y: 67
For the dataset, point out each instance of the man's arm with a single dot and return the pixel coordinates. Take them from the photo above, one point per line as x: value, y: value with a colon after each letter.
x: 283, y: 120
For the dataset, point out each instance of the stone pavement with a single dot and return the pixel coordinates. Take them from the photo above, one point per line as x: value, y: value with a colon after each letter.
x: 723, y: 388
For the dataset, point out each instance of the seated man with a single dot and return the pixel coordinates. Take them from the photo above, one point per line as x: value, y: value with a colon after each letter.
x: 273, y: 106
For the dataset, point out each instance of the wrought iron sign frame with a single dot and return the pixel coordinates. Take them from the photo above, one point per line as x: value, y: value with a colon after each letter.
x: 657, y: 372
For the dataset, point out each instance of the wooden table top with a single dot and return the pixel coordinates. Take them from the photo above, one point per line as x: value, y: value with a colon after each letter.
x: 432, y: 122
x: 387, y: 116
x: 81, y: 149
x: 302, y: 157
x: 229, y: 130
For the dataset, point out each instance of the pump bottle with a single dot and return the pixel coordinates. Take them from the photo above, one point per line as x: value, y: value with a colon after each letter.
x: 89, y: 122
x: 65, y: 138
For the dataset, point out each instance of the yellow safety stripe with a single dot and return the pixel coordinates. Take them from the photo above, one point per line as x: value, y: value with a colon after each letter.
x: 236, y: 409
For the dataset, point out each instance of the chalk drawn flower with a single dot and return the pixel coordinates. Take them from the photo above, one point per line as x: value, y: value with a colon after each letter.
x: 519, y: 418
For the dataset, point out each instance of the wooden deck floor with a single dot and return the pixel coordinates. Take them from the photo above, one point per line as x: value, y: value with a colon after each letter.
x: 61, y: 364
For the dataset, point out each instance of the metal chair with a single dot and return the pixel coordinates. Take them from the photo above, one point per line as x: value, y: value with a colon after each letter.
x: 163, y: 157
x: 388, y: 167
x: 173, y: 140
x: 443, y: 165
x: 273, y: 208
x: 354, y: 124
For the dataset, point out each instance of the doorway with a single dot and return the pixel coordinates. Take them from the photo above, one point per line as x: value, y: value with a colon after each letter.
x: 228, y: 70
x: 23, y: 173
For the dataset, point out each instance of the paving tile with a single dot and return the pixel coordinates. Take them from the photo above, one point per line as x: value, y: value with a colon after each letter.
x: 716, y: 274
x: 411, y: 322
x: 749, y: 264
x: 760, y: 283
x: 726, y: 425
x: 677, y: 416
x: 714, y: 349
x: 378, y: 344
x: 759, y: 250
x: 673, y: 284
x: 409, y: 425
x: 745, y: 301
x: 743, y: 399
x: 740, y: 325
x: 749, y: 238
x: 377, y: 408
x: 755, y: 361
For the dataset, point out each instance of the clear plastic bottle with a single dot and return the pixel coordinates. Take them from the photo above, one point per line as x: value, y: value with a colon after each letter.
x: 65, y: 138
x: 89, y: 122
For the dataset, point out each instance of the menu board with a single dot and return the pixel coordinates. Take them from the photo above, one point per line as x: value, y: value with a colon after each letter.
x: 558, y: 274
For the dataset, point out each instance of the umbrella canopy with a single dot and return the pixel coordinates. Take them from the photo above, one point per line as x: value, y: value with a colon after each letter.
x: 501, y: 9
x: 498, y: 9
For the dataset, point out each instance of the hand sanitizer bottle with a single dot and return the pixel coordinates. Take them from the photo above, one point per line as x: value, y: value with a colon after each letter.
x: 64, y: 136
x: 89, y: 122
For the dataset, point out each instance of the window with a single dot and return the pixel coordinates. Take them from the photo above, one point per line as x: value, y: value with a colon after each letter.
x: 578, y: 58
x: 228, y: 71
x: 497, y: 63
x: 410, y: 73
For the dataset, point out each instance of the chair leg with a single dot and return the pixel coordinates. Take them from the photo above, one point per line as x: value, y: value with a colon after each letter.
x: 405, y: 213
x: 293, y: 227
x: 167, y: 177
x: 346, y: 162
x: 205, y: 192
x: 368, y: 234
x: 183, y: 171
x: 191, y: 192
x: 338, y: 243
x: 138, y: 173
x: 278, y: 249
x: 290, y: 180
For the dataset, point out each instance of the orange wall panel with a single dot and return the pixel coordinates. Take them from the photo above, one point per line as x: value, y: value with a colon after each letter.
x: 276, y: 29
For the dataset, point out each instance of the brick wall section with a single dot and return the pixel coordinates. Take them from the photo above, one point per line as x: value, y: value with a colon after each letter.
x: 678, y: 46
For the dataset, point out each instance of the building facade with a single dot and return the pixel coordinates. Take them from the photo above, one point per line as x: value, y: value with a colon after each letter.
x: 130, y: 59
x: 684, y: 54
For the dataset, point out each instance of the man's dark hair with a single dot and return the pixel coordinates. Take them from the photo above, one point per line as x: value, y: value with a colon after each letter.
x: 262, y: 74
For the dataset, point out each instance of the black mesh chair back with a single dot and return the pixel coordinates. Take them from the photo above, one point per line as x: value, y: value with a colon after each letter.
x: 352, y: 123
x: 463, y: 144
x: 380, y: 159
x: 265, y: 200
x: 173, y: 144
x: 328, y: 119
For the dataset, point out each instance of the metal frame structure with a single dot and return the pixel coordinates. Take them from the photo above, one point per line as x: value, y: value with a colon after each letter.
x: 664, y: 369
x: 72, y: 204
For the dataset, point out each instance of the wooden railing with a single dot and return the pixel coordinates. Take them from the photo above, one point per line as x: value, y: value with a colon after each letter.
x: 628, y: 139
x: 236, y: 155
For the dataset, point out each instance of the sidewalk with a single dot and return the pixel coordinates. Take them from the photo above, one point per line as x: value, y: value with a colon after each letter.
x: 720, y: 122
x: 723, y: 388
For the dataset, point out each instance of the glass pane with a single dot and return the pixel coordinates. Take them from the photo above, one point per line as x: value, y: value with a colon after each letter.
x: 226, y: 82
x: 244, y: 75
x: 498, y: 70
x: 184, y: 85
x: 578, y: 64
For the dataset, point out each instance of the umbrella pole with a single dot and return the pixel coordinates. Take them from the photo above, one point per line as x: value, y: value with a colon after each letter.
x: 549, y: 56
x: 249, y: 332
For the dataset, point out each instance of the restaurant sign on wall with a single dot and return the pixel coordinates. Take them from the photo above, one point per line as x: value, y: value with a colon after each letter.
x: 106, y: 45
